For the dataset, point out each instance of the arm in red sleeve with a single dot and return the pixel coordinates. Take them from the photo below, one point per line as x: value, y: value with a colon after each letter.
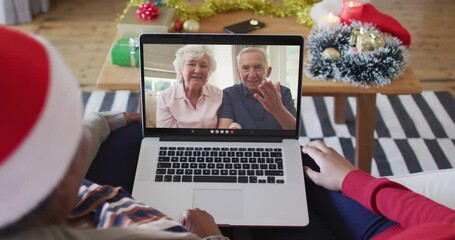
x: 394, y: 201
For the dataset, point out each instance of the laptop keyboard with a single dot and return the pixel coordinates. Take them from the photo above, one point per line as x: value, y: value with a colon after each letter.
x: 220, y: 164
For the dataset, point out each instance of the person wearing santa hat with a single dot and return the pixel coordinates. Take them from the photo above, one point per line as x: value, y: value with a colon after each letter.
x: 45, y: 149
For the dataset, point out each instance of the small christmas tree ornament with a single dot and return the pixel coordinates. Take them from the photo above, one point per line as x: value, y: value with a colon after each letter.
x: 191, y: 26
x: 147, y: 11
x: 365, y: 40
x: 178, y: 24
x: 331, y: 53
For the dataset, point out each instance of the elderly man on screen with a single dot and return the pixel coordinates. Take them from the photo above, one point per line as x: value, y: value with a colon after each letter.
x: 256, y: 103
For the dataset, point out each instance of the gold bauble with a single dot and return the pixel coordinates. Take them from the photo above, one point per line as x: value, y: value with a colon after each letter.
x: 191, y: 26
x: 331, y: 53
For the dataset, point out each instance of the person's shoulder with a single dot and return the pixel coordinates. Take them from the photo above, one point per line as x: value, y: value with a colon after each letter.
x: 284, y: 88
x: 171, y: 91
x: 233, y: 88
x: 214, y: 89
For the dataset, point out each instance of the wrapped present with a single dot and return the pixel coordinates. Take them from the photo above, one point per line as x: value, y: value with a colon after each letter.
x: 132, y: 26
x: 125, y: 52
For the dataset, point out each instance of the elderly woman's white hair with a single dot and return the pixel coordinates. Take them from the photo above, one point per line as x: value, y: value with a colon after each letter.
x: 191, y: 52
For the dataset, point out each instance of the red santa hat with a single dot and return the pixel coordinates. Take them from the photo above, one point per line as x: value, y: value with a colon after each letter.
x: 40, y: 124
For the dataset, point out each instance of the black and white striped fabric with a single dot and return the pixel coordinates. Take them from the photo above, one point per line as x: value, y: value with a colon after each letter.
x: 414, y: 133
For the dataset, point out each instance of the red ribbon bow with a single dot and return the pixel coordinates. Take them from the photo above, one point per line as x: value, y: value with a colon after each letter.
x: 147, y: 11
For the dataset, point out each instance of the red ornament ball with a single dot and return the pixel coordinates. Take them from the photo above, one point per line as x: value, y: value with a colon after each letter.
x: 178, y: 25
x: 147, y: 11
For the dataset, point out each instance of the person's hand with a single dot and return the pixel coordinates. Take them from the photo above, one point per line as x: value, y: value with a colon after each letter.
x: 199, y: 222
x: 271, y: 97
x: 131, y: 117
x: 272, y: 102
x: 333, y: 167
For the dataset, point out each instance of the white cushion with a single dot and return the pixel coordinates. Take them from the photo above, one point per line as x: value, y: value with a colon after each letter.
x: 437, y: 185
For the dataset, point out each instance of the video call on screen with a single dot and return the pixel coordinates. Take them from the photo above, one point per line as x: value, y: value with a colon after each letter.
x: 159, y: 73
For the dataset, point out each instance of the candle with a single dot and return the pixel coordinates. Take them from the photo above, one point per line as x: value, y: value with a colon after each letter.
x: 329, y: 20
x: 351, y: 10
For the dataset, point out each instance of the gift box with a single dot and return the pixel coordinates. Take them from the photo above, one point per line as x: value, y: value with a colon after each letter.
x: 132, y: 26
x: 125, y: 52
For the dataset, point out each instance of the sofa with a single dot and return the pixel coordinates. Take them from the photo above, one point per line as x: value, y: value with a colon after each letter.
x: 437, y: 185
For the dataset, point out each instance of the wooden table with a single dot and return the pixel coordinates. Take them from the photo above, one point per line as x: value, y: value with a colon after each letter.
x: 114, y: 77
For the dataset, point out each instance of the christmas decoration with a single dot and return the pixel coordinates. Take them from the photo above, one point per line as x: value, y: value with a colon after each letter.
x: 329, y: 20
x: 325, y: 7
x: 331, y: 53
x: 377, y: 66
x: 125, y: 52
x: 382, y: 21
x: 130, y: 26
x: 178, y: 25
x: 191, y: 26
x: 147, y: 11
x: 351, y: 9
x: 365, y: 40
x: 360, y: 11
x: 137, y: 4
x: 208, y: 8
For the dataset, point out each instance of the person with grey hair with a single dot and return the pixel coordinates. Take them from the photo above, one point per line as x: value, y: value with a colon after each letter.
x: 256, y: 103
x: 192, y: 102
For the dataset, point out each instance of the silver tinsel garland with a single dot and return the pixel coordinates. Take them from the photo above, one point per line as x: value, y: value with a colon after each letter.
x: 375, y: 67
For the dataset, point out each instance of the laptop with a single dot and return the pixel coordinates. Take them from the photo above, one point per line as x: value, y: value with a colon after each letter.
x: 242, y: 176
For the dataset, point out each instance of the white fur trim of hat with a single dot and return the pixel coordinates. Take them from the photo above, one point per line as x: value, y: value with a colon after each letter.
x: 40, y: 124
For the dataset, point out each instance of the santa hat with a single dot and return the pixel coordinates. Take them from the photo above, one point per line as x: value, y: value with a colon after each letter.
x: 40, y: 124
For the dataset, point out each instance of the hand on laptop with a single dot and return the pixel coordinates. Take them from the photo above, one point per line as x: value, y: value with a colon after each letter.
x: 333, y: 167
x: 199, y: 222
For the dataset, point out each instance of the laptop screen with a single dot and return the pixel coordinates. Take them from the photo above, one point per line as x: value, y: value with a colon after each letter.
x: 213, y: 85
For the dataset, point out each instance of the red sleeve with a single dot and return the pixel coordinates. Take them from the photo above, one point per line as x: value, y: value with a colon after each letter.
x: 394, y: 201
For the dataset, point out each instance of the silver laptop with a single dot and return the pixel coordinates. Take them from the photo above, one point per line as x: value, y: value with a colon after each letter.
x: 242, y: 176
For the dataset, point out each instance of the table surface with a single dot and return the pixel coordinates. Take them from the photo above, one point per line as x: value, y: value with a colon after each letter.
x: 113, y: 77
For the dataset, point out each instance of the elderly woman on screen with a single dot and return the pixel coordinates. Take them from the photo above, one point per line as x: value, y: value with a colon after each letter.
x: 193, y: 102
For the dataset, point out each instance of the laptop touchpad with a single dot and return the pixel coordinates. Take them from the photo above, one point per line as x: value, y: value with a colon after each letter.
x: 221, y: 204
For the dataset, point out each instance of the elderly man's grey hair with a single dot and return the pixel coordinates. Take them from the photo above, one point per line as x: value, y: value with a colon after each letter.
x: 191, y: 52
x: 253, y: 49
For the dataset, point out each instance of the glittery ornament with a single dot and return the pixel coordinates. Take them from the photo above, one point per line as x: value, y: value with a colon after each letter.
x: 178, y: 25
x: 191, y: 26
x: 331, y: 53
x: 366, y: 40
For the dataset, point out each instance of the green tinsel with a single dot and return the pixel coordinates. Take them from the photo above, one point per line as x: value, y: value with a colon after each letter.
x: 370, y: 68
